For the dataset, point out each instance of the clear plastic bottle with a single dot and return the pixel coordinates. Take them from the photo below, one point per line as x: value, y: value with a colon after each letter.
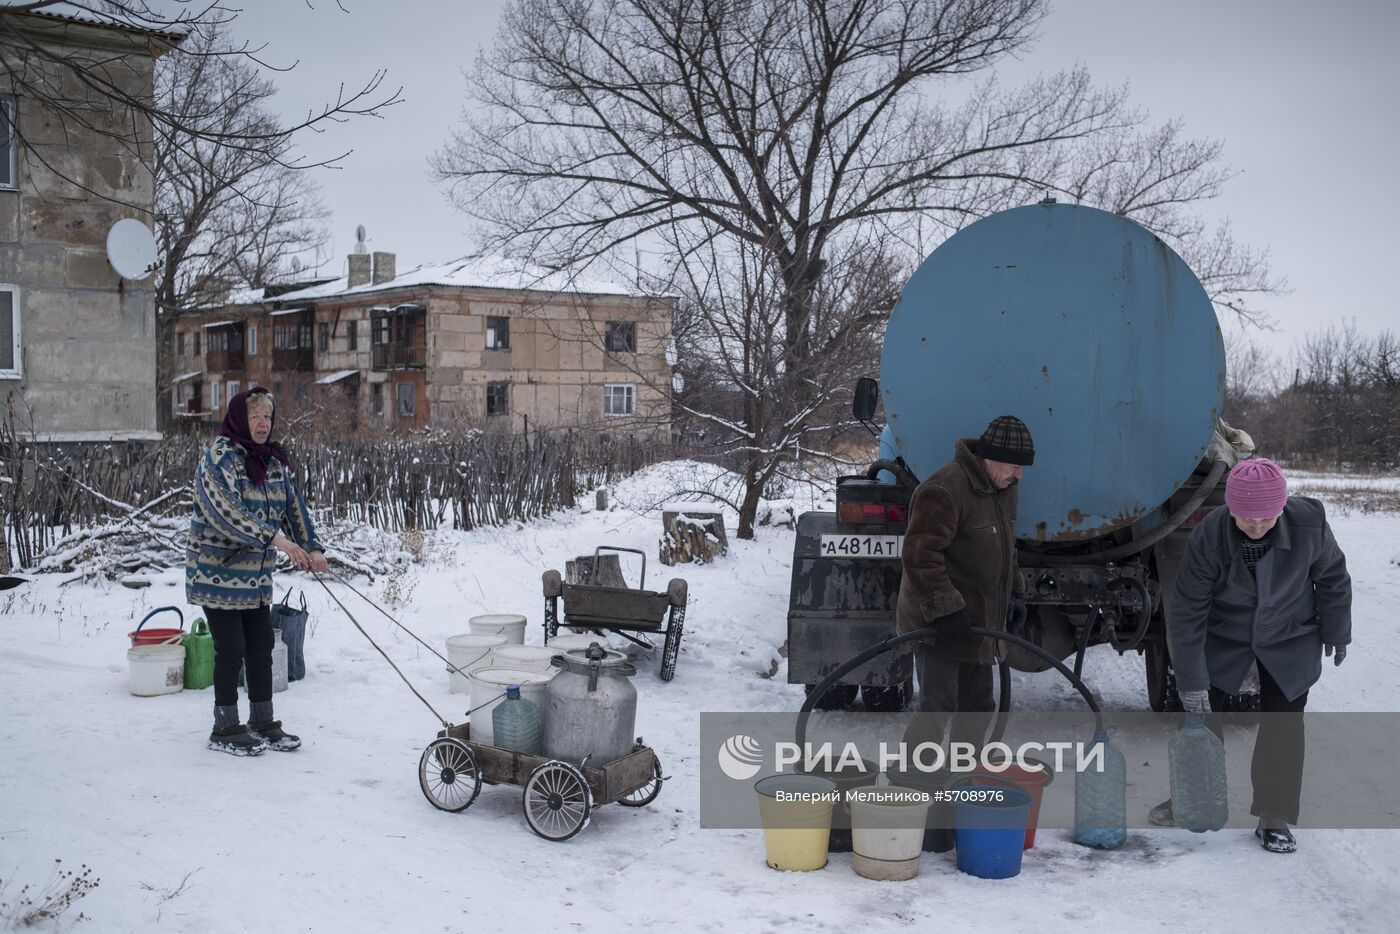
x: 515, y: 724
x: 279, y: 662
x: 1196, y: 759
x: 1101, y: 798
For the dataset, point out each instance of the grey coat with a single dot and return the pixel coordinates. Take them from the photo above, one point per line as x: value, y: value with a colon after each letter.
x: 1221, y: 618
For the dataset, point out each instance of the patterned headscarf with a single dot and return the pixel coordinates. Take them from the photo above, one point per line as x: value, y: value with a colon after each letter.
x: 235, y: 428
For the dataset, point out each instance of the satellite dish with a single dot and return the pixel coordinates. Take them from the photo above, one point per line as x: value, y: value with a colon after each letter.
x: 678, y: 382
x: 131, y: 249
x: 360, y: 239
x: 296, y: 265
x: 671, y: 355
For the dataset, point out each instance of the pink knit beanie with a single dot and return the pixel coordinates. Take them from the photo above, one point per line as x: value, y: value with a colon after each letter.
x: 1256, y: 489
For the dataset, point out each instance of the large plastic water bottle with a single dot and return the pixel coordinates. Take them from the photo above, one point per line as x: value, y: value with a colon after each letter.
x: 515, y: 724
x: 279, y: 662
x: 1196, y: 758
x: 1101, y: 799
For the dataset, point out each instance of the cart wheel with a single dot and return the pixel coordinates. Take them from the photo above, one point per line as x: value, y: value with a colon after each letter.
x: 449, y: 775
x: 671, y: 651
x: 557, y: 801
x: 645, y: 794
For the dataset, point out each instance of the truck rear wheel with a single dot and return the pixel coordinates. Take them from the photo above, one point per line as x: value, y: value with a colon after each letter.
x: 839, y: 697
x: 887, y: 698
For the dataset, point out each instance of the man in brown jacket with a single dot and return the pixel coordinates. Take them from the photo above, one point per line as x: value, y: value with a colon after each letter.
x: 960, y: 571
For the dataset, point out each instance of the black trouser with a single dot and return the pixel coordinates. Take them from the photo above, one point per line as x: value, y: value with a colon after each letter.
x: 948, y: 686
x: 1277, y: 767
x: 241, y: 637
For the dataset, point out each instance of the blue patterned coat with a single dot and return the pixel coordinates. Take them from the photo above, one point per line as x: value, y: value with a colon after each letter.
x: 229, y: 557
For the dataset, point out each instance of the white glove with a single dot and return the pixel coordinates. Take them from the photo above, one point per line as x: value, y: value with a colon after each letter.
x: 1195, y: 701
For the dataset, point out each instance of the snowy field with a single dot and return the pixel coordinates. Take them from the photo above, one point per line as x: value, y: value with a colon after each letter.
x: 337, y: 836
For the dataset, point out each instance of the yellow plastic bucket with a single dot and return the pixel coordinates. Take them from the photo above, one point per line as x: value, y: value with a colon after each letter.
x: 796, y: 815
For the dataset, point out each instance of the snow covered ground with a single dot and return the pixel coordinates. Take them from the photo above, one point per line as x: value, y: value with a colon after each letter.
x: 338, y: 837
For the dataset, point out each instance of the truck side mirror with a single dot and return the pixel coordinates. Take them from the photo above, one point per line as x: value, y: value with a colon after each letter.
x: 866, y: 398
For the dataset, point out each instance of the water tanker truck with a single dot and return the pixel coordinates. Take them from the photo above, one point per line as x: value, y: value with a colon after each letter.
x: 1095, y: 333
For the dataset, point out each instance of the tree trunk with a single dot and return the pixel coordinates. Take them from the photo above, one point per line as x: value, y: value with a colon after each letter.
x: 748, y: 509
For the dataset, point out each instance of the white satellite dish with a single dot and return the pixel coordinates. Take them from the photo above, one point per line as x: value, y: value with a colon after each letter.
x: 131, y: 249
x: 360, y: 240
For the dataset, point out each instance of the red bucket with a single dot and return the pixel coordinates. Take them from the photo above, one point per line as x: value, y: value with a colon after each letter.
x: 1033, y: 782
x: 158, y: 636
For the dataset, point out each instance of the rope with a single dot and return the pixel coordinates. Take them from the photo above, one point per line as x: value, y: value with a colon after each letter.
x: 445, y: 723
x: 351, y: 587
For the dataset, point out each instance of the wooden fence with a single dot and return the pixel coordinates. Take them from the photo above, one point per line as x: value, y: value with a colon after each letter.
x: 424, y: 482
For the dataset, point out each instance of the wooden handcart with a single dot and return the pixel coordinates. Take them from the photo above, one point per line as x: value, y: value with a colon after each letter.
x: 559, y: 796
x: 631, y: 613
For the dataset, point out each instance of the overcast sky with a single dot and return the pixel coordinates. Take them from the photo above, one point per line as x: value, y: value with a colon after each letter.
x: 1303, y: 94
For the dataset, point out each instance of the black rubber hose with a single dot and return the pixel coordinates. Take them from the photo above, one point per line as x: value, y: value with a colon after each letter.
x: 901, y: 471
x: 893, y: 642
x: 1139, y: 545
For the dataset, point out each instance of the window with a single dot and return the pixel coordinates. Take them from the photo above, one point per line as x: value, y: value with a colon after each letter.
x: 213, y: 395
x: 196, y: 343
x: 619, y: 399
x: 325, y: 336
x: 497, y: 333
x: 9, y: 333
x: 7, y: 142
x: 621, y: 337
x: 498, y: 398
x: 377, y: 399
x: 180, y: 344
x: 407, y: 400
x: 233, y: 387
x: 352, y: 335
x: 252, y: 340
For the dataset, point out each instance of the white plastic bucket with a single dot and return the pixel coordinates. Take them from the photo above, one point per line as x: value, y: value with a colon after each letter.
x: 533, y: 657
x: 155, y: 669
x: 489, y: 689
x: 575, y: 640
x: 467, y: 653
x: 510, y: 625
x: 887, y: 830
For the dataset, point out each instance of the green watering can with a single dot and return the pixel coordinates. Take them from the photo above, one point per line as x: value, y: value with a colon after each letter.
x: 199, y: 656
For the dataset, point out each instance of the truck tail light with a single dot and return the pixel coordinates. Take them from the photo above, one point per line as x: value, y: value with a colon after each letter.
x: 870, y: 513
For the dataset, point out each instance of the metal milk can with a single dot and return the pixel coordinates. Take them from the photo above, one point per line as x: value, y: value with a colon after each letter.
x: 591, y: 707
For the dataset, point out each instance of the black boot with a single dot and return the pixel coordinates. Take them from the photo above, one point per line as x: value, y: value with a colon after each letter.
x: 275, y: 737
x: 1275, y: 836
x: 237, y: 741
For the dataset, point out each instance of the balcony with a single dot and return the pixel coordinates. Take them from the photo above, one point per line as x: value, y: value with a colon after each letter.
x: 399, y: 357
x: 223, y: 361
x: 293, y: 358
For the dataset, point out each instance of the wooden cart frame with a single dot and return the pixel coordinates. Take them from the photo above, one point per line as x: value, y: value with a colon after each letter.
x: 558, y: 796
x: 622, y: 610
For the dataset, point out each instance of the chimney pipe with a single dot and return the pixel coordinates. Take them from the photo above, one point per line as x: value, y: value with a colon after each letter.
x: 383, y: 267
x: 359, y: 269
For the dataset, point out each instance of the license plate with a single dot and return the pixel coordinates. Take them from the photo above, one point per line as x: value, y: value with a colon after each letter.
x: 862, y: 546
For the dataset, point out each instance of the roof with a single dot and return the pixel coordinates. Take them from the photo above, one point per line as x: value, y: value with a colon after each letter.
x: 336, y: 377
x: 218, y: 324
x: 474, y: 272
x: 73, y: 13
x: 184, y: 376
x: 287, y: 311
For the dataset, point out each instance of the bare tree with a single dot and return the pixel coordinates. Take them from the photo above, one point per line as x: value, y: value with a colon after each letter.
x: 225, y: 215
x: 92, y: 91
x: 788, y: 130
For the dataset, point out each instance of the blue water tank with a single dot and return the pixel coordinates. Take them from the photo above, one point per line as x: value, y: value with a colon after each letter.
x: 1083, y: 324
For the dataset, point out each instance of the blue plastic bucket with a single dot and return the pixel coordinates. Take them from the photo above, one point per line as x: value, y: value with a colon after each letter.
x: 992, y: 833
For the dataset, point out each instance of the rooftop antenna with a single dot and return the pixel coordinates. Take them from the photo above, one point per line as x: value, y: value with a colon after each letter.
x: 360, y: 248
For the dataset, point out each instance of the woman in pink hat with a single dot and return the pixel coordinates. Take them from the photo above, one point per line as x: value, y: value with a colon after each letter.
x: 1263, y: 582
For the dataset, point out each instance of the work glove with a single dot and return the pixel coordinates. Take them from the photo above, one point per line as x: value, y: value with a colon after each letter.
x: 1338, y: 653
x: 955, y: 627
x: 1015, y: 615
x: 1195, y: 701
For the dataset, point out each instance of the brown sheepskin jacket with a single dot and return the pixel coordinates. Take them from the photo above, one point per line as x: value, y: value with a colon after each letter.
x: 959, y: 552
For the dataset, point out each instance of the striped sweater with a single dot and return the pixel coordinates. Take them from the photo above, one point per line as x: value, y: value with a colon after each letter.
x: 229, y: 556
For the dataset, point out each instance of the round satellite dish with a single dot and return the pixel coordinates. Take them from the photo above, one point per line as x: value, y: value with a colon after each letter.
x: 360, y: 232
x: 131, y: 249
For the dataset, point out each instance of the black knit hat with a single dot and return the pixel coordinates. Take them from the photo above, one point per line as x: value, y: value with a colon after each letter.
x: 1007, y: 439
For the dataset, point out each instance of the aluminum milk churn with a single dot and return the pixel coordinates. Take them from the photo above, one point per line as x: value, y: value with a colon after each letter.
x: 591, y: 707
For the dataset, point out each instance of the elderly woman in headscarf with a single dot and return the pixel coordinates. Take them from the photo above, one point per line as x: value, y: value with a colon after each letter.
x: 246, y: 508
